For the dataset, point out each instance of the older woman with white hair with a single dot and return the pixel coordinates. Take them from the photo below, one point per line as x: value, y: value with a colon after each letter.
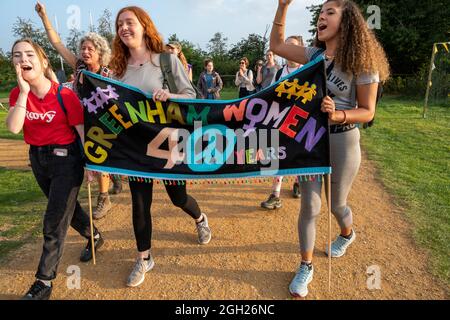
x: 94, y: 56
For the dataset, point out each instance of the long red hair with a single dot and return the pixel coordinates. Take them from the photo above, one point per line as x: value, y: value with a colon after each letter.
x: 121, y: 52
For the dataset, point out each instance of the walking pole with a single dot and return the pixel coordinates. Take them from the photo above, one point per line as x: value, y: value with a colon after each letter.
x: 328, y: 192
x: 92, y: 224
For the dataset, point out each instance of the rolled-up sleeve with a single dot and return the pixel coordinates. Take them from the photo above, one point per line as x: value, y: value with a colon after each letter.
x: 367, y: 78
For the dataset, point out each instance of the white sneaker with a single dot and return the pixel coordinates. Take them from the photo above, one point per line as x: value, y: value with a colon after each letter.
x: 340, y: 245
x: 203, y: 230
x: 299, y: 285
x: 141, y: 267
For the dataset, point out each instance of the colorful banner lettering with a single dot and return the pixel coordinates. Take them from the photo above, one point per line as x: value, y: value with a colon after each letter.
x: 278, y: 131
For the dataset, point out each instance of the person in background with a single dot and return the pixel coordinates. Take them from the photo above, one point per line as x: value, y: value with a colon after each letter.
x: 274, y: 201
x: 267, y: 72
x: 94, y: 56
x: 209, y: 82
x: 175, y: 48
x: 55, y: 156
x: 258, y: 66
x: 244, y: 79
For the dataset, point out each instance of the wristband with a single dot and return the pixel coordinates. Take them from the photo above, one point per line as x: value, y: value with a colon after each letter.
x: 345, y: 118
x: 278, y: 24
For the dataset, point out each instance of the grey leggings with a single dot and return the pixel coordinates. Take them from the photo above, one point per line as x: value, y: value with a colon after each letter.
x: 345, y: 162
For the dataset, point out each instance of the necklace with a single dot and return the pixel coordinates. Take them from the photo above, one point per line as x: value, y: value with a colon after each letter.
x: 328, y: 57
x: 141, y: 63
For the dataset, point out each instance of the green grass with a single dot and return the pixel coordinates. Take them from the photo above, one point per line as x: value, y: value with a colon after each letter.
x: 21, y: 206
x: 229, y: 94
x: 4, y: 94
x: 412, y: 156
x: 4, y: 133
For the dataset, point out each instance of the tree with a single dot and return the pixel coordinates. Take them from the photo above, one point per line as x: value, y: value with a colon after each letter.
x: 173, y: 38
x: 408, y: 30
x: 217, y: 46
x: 7, y: 73
x: 73, y: 40
x: 105, y: 26
x: 253, y: 48
x: 315, y: 11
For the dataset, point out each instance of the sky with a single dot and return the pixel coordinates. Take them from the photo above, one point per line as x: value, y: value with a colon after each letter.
x: 194, y: 20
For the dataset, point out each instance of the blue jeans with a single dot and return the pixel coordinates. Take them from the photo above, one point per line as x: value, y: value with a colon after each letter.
x: 60, y: 178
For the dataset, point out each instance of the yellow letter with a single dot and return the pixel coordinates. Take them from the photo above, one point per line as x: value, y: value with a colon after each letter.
x: 119, y: 117
x: 100, y: 152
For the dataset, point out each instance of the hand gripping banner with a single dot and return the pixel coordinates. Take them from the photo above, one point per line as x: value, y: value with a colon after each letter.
x: 278, y: 131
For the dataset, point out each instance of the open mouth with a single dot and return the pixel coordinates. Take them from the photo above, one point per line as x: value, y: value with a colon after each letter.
x: 322, y: 27
x: 26, y: 68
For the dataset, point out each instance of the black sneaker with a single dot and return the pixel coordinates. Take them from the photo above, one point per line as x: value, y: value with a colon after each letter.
x: 86, y: 255
x: 296, y: 190
x: 272, y: 203
x: 38, y: 291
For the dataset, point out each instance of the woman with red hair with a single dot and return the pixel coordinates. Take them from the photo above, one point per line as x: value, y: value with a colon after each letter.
x: 137, y: 50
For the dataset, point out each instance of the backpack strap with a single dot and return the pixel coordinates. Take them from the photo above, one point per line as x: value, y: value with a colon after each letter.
x: 353, y: 92
x: 60, y: 99
x: 166, y: 68
x: 317, y: 53
x: 278, y: 75
x: 63, y: 107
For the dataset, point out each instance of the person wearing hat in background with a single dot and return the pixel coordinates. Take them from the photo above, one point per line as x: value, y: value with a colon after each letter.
x: 175, y: 47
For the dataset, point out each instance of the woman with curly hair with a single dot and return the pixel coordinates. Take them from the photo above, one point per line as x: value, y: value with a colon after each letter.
x: 357, y: 64
x: 94, y: 56
x: 137, y: 54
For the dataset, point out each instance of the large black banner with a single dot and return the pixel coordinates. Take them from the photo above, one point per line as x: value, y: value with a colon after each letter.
x: 278, y: 131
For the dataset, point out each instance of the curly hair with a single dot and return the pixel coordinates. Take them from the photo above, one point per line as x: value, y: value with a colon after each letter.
x: 121, y: 52
x: 42, y: 56
x: 101, y: 44
x: 358, y: 50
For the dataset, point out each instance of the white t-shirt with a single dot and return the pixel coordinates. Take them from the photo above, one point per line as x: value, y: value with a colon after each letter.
x: 149, y: 76
x: 286, y: 71
x: 340, y: 84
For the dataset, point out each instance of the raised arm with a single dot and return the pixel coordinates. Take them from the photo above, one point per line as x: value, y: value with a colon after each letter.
x: 17, y: 112
x: 259, y: 75
x: 277, y: 37
x: 237, y: 80
x: 54, y: 38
